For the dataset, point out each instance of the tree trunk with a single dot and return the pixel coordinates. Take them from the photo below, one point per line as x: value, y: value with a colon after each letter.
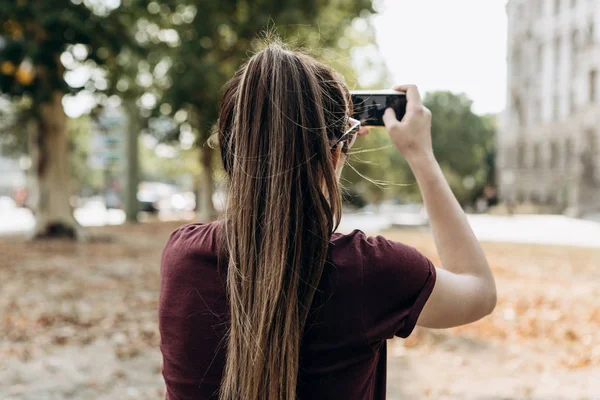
x: 206, y: 209
x: 49, y: 148
x: 132, y: 175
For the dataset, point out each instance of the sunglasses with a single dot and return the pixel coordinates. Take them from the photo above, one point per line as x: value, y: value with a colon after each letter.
x: 349, y: 137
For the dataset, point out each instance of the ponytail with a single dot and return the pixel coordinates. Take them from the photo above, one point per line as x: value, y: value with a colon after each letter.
x: 277, y: 119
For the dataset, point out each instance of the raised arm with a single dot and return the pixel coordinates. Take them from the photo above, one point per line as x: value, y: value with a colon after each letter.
x: 465, y: 290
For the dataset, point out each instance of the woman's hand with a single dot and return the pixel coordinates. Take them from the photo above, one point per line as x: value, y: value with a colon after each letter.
x: 363, y: 131
x: 412, y: 135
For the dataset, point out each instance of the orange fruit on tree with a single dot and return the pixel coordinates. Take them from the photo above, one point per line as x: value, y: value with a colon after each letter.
x: 25, y: 74
x: 7, y: 68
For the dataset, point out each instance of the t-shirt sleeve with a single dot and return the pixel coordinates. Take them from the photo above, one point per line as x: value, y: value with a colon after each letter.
x: 397, y: 282
x: 187, y: 315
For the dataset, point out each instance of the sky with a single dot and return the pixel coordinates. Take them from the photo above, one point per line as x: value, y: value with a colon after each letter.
x: 456, y: 45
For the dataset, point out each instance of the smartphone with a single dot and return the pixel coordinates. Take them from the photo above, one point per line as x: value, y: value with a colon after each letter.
x: 369, y: 105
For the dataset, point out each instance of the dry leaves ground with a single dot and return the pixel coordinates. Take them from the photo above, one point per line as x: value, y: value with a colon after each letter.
x: 78, y: 321
x: 542, y: 341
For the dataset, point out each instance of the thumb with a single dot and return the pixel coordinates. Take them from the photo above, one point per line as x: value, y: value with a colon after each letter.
x: 389, y: 117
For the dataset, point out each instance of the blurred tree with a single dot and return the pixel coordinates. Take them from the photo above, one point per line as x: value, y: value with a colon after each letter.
x: 165, y: 163
x: 221, y: 35
x: 490, y: 121
x: 84, y: 180
x: 139, y: 80
x: 49, y: 49
x: 463, y: 144
x: 374, y: 169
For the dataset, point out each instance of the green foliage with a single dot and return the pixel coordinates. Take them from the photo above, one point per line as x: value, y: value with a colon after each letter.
x: 376, y: 170
x: 224, y: 33
x: 12, y: 119
x: 461, y: 139
x: 82, y: 175
x: 35, y: 34
x: 181, y: 52
x: 156, y: 167
x: 463, y: 144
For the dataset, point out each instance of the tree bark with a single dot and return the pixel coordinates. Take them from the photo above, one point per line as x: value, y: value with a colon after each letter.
x: 132, y: 174
x: 49, y: 148
x: 206, y: 208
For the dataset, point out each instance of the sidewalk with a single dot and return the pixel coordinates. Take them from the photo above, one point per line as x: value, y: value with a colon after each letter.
x: 532, y: 229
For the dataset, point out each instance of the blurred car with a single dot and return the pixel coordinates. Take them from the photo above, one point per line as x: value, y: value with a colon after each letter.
x: 147, y: 201
x: 353, y: 199
x: 182, y: 201
x: 6, y: 203
x: 158, y: 196
x: 112, y: 199
x: 411, y: 214
x: 20, y: 197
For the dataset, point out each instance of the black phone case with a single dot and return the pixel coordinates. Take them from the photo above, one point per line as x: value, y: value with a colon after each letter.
x: 369, y: 107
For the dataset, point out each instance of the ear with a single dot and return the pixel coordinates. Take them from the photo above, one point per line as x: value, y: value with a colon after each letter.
x: 336, y: 154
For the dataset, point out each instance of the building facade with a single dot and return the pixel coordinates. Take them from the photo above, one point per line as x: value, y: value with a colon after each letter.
x: 549, y: 136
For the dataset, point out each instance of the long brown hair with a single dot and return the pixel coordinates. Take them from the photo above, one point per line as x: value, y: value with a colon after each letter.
x: 278, y: 117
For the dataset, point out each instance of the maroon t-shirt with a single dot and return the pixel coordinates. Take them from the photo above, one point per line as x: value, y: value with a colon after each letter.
x: 372, y: 289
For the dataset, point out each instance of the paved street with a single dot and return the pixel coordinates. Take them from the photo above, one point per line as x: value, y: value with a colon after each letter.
x: 19, y: 220
x: 541, y: 229
x: 535, y: 229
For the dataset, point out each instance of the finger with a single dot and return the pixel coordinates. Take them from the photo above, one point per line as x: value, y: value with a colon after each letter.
x: 413, y: 97
x: 427, y: 112
x: 389, y: 117
x: 363, y: 131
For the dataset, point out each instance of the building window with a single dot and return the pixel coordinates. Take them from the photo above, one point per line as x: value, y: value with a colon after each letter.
x: 511, y: 157
x: 556, y: 7
x: 574, y: 50
x: 572, y: 105
x: 568, y: 153
x: 573, y: 3
x: 521, y: 12
x: 557, y: 44
x: 521, y: 155
x: 591, y: 33
x: 538, y: 7
x: 592, y: 82
x: 555, y: 107
x: 554, y: 156
x: 588, y: 157
x: 516, y: 61
x: 536, y: 155
x: 558, y: 66
x: 518, y: 111
x: 540, y: 57
x: 592, y: 142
